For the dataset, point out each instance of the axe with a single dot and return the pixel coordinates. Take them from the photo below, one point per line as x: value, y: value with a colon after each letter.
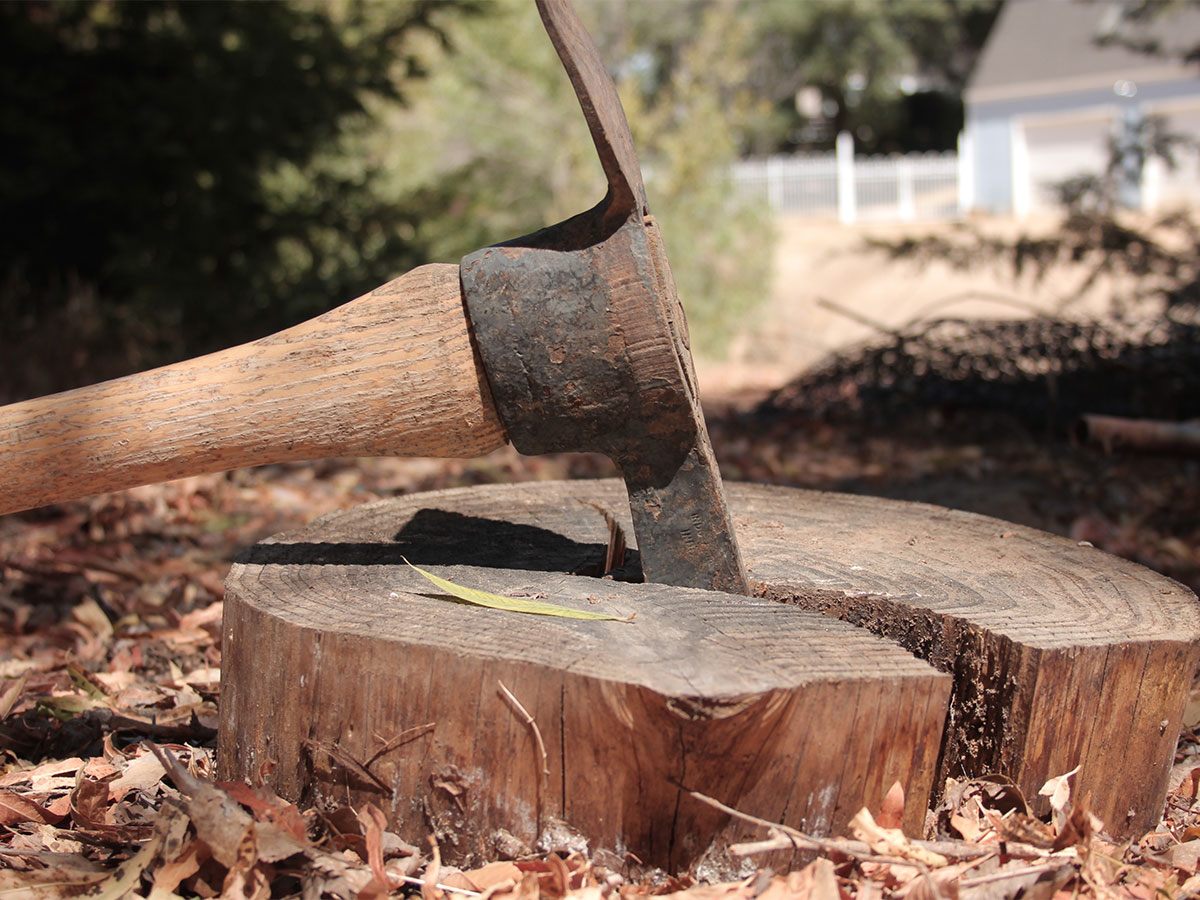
x: 568, y: 339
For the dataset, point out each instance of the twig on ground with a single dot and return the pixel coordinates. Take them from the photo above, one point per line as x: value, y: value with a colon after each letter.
x: 1014, y: 873
x: 408, y: 734
x: 346, y: 761
x: 790, y: 838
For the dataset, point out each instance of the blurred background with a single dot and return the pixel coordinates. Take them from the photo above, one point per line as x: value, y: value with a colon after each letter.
x: 177, y: 177
x: 916, y: 240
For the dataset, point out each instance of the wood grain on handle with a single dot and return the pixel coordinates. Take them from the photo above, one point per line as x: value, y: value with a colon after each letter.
x: 393, y: 373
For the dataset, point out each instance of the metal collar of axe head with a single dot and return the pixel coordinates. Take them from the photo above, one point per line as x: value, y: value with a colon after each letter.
x: 586, y: 348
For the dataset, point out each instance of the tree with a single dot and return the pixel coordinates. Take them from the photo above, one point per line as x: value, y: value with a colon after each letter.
x: 178, y: 173
x: 176, y: 177
x: 1138, y: 26
x: 868, y: 62
x: 689, y: 122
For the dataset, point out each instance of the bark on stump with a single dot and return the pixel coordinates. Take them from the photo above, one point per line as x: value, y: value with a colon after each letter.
x: 1062, y: 655
x: 1059, y: 655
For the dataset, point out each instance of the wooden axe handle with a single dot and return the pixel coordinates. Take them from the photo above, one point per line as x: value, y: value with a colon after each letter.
x: 393, y: 373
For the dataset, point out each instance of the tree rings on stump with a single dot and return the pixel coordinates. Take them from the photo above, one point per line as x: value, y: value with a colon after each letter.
x: 343, y: 679
x: 346, y: 677
x: 1062, y: 655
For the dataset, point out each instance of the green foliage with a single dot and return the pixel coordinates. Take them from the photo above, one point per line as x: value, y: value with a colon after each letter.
x: 1138, y: 141
x: 687, y: 132
x: 191, y: 164
x: 495, y: 144
x: 856, y: 53
x: 179, y: 176
x: 492, y: 143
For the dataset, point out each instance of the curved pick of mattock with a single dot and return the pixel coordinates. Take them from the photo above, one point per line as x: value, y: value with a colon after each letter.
x: 601, y: 105
x: 585, y: 345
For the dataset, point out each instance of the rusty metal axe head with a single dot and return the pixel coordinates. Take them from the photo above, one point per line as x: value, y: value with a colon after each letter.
x: 586, y: 348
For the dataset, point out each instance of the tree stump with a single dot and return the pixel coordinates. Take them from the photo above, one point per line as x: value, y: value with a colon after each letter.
x: 1062, y: 655
x: 336, y: 660
x: 345, y: 679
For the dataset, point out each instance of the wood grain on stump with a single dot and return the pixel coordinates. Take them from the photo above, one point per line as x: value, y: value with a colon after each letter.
x: 1062, y: 655
x: 1059, y: 655
x: 345, y: 678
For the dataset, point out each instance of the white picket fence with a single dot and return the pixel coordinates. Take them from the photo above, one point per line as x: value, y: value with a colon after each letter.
x: 906, y: 188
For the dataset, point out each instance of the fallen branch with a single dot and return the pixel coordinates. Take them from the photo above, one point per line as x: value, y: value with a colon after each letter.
x: 856, y: 316
x: 1143, y: 435
x: 787, y: 838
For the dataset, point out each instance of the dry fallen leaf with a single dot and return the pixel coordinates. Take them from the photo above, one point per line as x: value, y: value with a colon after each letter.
x: 12, y: 693
x: 429, y: 883
x: 486, y: 877
x: 891, y: 811
x: 140, y: 773
x: 223, y: 825
x: 119, y: 881
x: 824, y: 882
x: 891, y: 841
x: 183, y: 865
x: 1184, y: 856
x: 794, y: 886
x: 268, y: 807
x: 1058, y: 789
x: 147, y: 637
x: 89, y: 614
x: 16, y: 809
x: 46, y: 776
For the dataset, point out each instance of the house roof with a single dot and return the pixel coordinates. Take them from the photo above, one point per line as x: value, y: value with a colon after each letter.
x: 1040, y: 47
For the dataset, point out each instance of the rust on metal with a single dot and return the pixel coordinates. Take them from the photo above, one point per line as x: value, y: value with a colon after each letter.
x: 586, y: 347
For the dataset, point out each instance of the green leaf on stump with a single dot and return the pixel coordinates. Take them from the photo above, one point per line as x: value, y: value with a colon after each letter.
x: 512, y: 604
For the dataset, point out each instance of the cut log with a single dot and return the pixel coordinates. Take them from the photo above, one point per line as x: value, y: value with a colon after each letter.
x: 1059, y: 655
x: 1062, y: 655
x: 346, y: 678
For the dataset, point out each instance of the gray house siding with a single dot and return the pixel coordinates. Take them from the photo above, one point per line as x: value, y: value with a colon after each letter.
x: 1046, y: 99
x: 994, y: 127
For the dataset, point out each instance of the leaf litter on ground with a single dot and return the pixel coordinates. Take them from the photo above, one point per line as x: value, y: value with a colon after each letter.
x: 172, y: 831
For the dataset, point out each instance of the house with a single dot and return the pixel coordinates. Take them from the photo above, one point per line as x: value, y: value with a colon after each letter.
x: 1059, y: 79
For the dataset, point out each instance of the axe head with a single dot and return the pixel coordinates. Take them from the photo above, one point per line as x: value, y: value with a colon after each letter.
x: 586, y: 348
